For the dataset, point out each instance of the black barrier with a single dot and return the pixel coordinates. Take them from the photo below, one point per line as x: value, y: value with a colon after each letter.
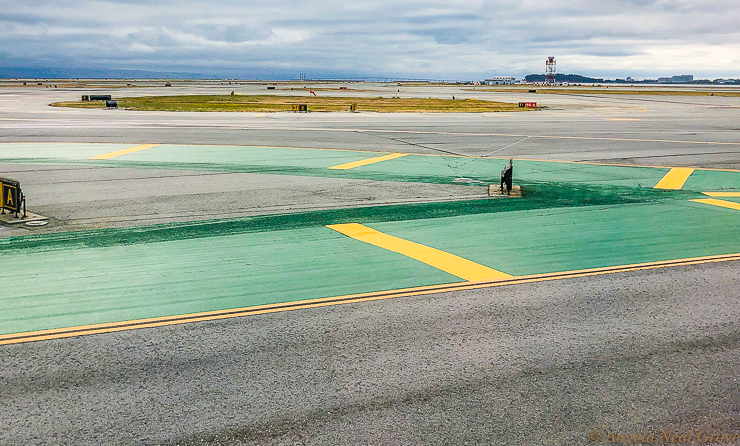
x: 111, y: 104
x: 100, y: 97
x: 12, y: 196
x: 507, y: 177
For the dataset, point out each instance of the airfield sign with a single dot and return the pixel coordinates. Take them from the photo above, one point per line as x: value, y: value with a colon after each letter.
x: 11, y: 195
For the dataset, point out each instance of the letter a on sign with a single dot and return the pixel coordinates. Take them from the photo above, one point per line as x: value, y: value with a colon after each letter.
x: 10, y: 197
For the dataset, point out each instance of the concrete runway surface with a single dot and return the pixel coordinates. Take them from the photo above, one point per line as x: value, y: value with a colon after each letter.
x: 569, y: 361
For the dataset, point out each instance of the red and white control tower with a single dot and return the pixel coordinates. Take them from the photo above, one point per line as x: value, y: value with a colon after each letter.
x: 550, y: 71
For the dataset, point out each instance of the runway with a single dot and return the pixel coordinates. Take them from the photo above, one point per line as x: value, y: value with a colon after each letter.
x: 680, y: 131
x: 152, y: 308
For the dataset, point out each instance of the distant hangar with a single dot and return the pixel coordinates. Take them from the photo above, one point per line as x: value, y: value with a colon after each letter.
x: 500, y: 80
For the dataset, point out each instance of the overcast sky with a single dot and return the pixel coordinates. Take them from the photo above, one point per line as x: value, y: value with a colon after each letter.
x: 462, y: 40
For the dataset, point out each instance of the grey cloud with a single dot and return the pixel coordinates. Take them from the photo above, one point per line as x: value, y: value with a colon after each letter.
x: 447, y: 36
x: 20, y: 18
x: 421, y: 38
x: 443, y: 19
x: 228, y: 33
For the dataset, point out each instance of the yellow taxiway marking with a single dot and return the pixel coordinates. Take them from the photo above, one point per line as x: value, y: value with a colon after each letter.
x: 365, y: 162
x: 722, y: 194
x: 106, y: 156
x: 449, y: 263
x: 675, y: 178
x: 67, y: 332
x: 720, y: 203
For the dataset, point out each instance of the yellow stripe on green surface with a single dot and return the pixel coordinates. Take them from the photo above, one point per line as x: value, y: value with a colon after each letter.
x: 675, y: 178
x: 722, y: 194
x: 442, y: 260
x: 720, y: 203
x: 59, y: 333
x: 365, y: 162
x: 106, y: 156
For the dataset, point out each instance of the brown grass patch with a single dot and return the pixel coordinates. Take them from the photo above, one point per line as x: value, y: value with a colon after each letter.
x: 273, y: 103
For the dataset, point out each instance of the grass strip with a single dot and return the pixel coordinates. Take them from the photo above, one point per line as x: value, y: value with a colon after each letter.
x: 274, y: 103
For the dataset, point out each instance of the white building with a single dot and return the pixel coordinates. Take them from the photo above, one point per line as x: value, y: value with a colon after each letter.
x: 685, y: 78
x: 500, y: 80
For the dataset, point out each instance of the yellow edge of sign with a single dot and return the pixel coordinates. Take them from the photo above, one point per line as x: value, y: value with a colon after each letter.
x: 365, y: 162
x: 449, y: 263
x: 106, y: 156
x: 675, y: 178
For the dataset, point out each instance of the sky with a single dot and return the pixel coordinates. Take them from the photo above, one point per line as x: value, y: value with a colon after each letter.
x: 416, y: 39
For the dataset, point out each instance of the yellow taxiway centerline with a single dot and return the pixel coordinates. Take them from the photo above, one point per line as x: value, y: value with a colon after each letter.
x: 449, y: 263
x: 720, y: 203
x: 106, y: 156
x: 722, y: 194
x: 365, y: 162
x: 675, y: 178
x: 67, y: 332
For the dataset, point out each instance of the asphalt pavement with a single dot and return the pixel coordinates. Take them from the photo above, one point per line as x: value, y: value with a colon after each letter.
x: 568, y: 361
x: 544, y: 363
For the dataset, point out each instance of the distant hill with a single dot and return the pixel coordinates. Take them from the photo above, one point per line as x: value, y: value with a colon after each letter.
x: 88, y: 73
x: 574, y: 78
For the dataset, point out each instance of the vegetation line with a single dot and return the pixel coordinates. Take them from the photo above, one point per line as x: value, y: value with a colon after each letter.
x: 274, y: 103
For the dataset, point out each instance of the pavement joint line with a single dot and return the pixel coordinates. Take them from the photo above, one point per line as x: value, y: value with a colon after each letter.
x: 515, y: 135
x: 519, y: 135
x: 367, y: 161
x: 449, y: 263
x: 110, y: 155
x: 675, y: 178
x: 720, y: 203
x: 67, y: 332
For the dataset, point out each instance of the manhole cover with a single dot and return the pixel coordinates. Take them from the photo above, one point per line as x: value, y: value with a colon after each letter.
x: 37, y: 223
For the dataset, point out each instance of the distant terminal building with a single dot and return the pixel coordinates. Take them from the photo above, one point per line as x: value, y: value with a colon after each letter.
x: 500, y: 80
x: 683, y: 79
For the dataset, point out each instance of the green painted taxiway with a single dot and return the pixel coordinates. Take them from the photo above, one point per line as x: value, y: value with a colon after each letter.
x: 573, y: 216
